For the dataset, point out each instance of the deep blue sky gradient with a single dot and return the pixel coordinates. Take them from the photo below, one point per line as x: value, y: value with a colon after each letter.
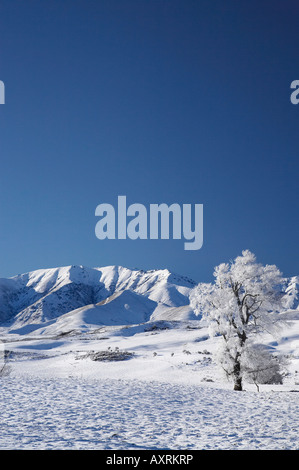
x: 161, y: 101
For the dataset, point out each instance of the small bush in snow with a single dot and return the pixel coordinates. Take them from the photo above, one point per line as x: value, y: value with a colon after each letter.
x: 109, y: 355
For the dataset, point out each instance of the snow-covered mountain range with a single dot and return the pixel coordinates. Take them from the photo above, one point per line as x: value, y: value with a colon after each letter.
x: 78, y: 296
x: 108, y: 295
x: 115, y: 358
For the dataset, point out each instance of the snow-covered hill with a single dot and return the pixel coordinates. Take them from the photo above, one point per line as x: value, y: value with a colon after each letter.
x: 76, y: 296
x: 44, y: 295
x: 291, y: 289
x: 126, y: 342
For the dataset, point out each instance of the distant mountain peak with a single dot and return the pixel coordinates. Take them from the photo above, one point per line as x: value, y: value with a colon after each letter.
x: 44, y: 295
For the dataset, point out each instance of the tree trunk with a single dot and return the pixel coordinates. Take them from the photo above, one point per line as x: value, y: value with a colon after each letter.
x: 237, y: 375
x: 237, y: 366
x: 238, y: 384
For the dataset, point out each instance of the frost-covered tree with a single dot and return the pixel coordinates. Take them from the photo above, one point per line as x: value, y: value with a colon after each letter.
x: 260, y: 366
x: 244, y: 299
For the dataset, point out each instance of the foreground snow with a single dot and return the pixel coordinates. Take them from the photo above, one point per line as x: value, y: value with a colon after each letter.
x: 168, y: 394
x: 63, y: 332
x: 78, y: 413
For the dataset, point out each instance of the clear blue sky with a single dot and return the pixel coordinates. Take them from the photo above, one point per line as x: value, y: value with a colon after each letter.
x: 159, y: 100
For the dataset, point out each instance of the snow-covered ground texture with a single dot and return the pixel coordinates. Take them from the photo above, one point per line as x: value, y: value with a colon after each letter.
x: 150, y: 386
x: 112, y: 358
x: 78, y: 413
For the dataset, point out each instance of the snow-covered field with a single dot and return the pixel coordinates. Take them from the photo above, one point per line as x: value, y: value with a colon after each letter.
x: 76, y: 413
x: 112, y: 358
x: 168, y: 395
